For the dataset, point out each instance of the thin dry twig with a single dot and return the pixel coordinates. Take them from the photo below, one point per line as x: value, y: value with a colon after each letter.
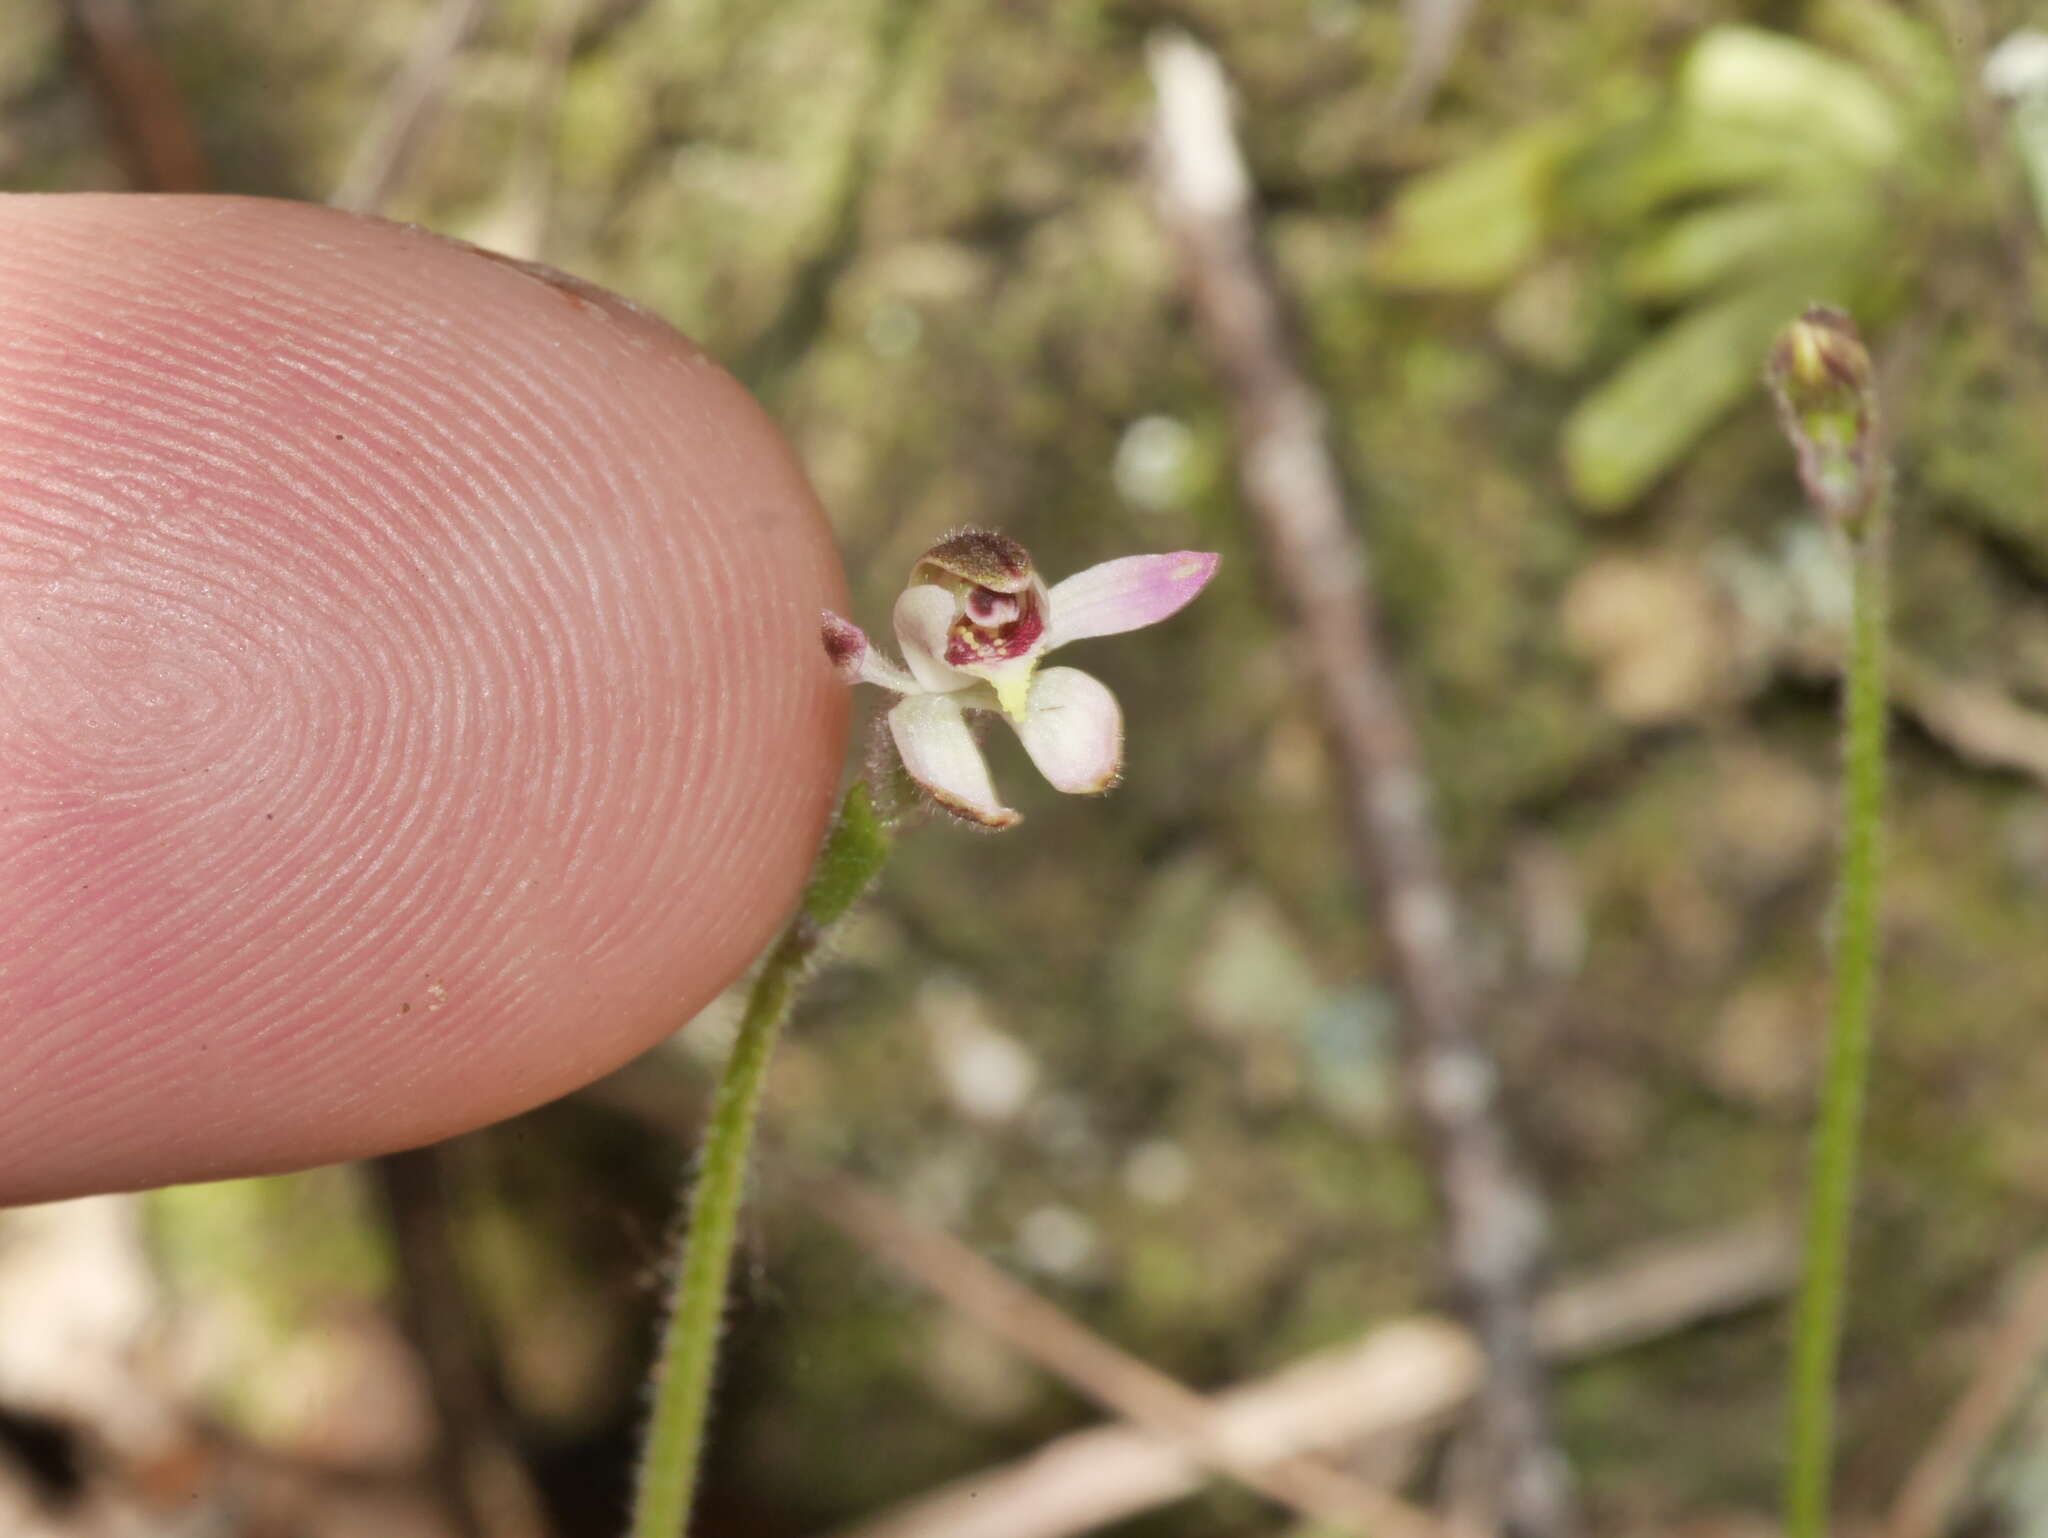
x: 1111, y: 1376
x: 1494, y: 1221
x: 401, y: 127
x: 1977, y: 721
x: 1435, y: 29
x: 1963, y: 23
x: 144, y: 109
x: 1402, y: 1378
x: 1179, y: 1421
x: 519, y: 225
x: 483, y: 1483
x: 1928, y: 1500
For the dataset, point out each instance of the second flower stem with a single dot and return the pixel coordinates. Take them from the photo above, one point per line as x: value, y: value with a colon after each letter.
x: 1832, y: 1186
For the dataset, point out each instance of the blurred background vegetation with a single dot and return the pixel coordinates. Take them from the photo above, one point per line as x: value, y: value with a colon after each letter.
x: 1141, y: 1053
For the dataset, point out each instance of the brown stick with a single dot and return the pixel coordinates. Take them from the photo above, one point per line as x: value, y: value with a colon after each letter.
x: 1182, y: 1425
x: 1978, y: 722
x: 1927, y: 1501
x: 1186, y: 1424
x: 1400, y: 1379
x: 1963, y: 23
x: 526, y: 205
x: 1435, y: 28
x: 483, y: 1483
x: 143, y: 107
x: 387, y: 150
x: 1494, y: 1222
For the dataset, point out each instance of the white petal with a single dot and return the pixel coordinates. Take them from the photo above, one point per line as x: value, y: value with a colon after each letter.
x: 941, y: 754
x: 857, y: 660
x: 923, y: 616
x: 1124, y: 594
x: 1073, y: 730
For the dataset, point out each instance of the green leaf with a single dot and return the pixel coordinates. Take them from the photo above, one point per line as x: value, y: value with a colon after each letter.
x: 1908, y: 58
x: 1475, y: 223
x: 1644, y: 418
x: 1686, y: 158
x: 1696, y: 251
x: 1769, y: 81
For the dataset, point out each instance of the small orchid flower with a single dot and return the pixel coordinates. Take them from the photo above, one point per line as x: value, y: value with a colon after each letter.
x: 973, y: 624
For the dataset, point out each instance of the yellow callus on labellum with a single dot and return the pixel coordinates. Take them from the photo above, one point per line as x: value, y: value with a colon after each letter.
x: 973, y: 623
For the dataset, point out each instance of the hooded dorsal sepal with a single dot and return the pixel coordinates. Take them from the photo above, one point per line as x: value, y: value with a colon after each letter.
x: 978, y: 558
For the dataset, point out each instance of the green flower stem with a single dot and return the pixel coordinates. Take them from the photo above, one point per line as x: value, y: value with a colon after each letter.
x: 1831, y: 1197
x: 672, y: 1452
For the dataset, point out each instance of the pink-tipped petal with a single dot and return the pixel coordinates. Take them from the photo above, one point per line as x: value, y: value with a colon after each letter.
x: 846, y: 644
x: 1073, y: 730
x: 1126, y: 594
x: 939, y: 750
x: 857, y: 661
x: 924, y: 613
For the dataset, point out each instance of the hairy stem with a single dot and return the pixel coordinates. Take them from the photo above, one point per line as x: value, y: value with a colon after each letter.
x: 672, y: 1450
x: 1831, y: 1198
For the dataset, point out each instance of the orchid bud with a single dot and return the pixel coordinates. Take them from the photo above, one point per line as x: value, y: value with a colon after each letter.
x: 1826, y: 390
